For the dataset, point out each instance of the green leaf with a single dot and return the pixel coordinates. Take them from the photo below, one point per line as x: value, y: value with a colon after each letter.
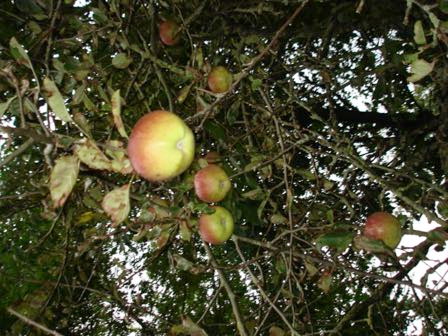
x: 63, y: 179
x: 19, y: 53
x: 371, y: 245
x: 4, y: 106
x: 420, y: 69
x: 117, y: 205
x: 116, y: 112
x: 325, y: 282
x: 55, y: 100
x: 278, y: 218
x: 337, y: 240
x: 215, y: 130
x: 121, y: 61
x: 419, y: 33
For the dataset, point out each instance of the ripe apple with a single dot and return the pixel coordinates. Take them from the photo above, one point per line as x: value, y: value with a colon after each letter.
x: 217, y: 227
x: 219, y: 79
x: 169, y: 32
x: 161, y: 146
x: 211, y: 184
x: 383, y: 226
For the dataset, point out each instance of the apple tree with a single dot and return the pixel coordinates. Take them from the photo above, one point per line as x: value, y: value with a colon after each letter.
x: 242, y: 211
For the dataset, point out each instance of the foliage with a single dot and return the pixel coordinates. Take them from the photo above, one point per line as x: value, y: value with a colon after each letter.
x: 337, y: 110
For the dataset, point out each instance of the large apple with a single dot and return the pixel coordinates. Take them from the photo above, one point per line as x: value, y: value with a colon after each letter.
x: 211, y: 184
x: 161, y: 146
x: 169, y: 32
x: 219, y: 79
x: 383, y: 226
x: 217, y: 227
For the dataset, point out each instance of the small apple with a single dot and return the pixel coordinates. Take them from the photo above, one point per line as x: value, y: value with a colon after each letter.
x: 169, y: 32
x: 217, y: 227
x: 385, y: 227
x: 219, y: 79
x: 161, y: 146
x: 211, y: 184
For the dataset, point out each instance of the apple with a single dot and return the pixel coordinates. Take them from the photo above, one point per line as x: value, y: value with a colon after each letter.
x: 169, y: 32
x: 385, y: 227
x: 217, y: 227
x: 219, y: 79
x: 161, y: 146
x: 211, y: 184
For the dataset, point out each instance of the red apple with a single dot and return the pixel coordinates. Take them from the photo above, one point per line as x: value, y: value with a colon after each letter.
x: 219, y: 79
x: 211, y: 184
x: 169, y: 32
x: 217, y: 227
x: 161, y: 146
x: 385, y: 227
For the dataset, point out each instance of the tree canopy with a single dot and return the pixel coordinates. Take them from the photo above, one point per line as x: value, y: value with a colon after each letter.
x: 337, y: 110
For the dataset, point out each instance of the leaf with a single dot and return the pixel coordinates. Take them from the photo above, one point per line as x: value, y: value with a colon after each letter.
x: 419, y: 69
x: 121, y: 61
x: 19, y: 53
x: 278, y: 219
x: 55, y: 100
x: 337, y: 240
x: 310, y: 268
x: 116, y: 112
x: 183, y: 93
x: 187, y: 327
x: 276, y: 331
x: 256, y: 194
x: 63, y: 178
x: 116, y: 204
x: 4, y: 106
x: 371, y: 245
x: 419, y: 33
x: 325, y: 282
x: 92, y: 156
x: 184, y: 231
x: 120, y: 162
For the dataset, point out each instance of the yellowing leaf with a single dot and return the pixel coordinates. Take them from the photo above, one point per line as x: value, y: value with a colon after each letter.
x: 19, y: 53
x: 89, y: 154
x: 120, y: 162
x: 55, y: 100
x: 188, y: 327
x: 116, y: 112
x: 92, y: 156
x: 63, y: 178
x: 276, y: 331
x: 117, y: 205
x: 420, y: 68
x: 419, y: 33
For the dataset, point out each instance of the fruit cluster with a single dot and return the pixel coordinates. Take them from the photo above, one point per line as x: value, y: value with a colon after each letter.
x: 162, y: 146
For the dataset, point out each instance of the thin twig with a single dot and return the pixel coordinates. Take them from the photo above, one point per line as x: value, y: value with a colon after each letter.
x: 33, y: 323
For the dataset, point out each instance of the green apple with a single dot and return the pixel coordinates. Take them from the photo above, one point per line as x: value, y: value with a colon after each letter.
x: 217, y: 227
x: 161, y: 146
x: 385, y: 227
x: 219, y: 79
x: 169, y: 32
x: 211, y: 184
